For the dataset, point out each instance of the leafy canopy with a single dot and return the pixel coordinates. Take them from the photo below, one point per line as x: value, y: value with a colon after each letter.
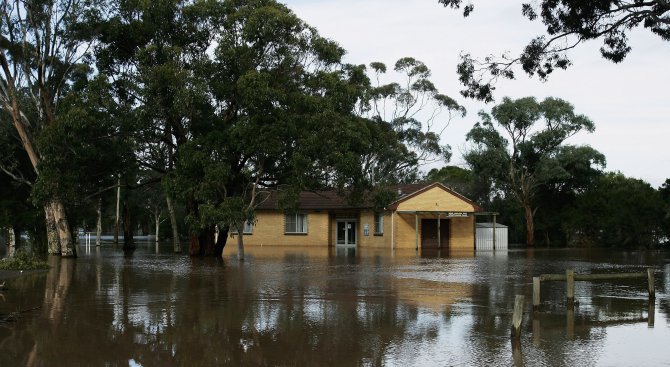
x: 568, y: 23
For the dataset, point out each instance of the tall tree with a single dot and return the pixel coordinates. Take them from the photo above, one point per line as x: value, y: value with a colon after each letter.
x: 233, y: 96
x: 569, y: 23
x: 531, y: 154
x: 39, y: 50
x: 410, y: 116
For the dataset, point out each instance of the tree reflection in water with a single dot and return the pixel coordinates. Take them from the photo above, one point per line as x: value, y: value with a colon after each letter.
x: 317, y: 307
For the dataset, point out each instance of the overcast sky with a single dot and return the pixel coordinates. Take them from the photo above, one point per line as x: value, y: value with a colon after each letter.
x: 628, y: 102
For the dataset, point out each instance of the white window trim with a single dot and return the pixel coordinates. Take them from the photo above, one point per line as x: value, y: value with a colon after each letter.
x: 305, y: 223
x: 379, y: 230
x: 248, y: 227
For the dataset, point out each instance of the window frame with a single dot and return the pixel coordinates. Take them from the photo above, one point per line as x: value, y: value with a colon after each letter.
x: 299, y: 218
x: 248, y: 227
x: 379, y: 224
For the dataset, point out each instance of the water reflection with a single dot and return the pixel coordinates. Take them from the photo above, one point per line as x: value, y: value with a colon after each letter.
x: 328, y: 306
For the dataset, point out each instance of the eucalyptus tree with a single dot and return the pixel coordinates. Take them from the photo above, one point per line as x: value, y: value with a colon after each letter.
x: 282, y: 116
x: 16, y: 180
x: 528, y: 152
x: 568, y: 23
x: 411, y: 116
x: 40, y: 49
x: 232, y: 97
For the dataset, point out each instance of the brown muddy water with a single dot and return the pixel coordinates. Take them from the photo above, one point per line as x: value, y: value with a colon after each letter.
x: 332, y: 307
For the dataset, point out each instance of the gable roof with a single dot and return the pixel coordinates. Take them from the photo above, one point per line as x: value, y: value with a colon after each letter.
x: 331, y: 199
x: 426, y: 187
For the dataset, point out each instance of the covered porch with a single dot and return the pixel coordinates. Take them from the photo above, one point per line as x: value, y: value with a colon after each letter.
x: 437, y: 229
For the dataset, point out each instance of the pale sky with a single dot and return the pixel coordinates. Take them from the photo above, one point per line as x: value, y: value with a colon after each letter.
x: 628, y: 102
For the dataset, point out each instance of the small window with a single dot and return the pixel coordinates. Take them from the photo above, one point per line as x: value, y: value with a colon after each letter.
x: 296, y: 223
x: 379, y: 223
x: 248, y: 227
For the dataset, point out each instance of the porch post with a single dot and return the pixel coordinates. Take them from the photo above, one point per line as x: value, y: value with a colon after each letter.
x: 416, y: 229
x: 392, y: 230
x: 439, y: 239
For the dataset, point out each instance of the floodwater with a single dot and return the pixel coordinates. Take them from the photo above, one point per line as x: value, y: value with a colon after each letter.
x: 332, y: 307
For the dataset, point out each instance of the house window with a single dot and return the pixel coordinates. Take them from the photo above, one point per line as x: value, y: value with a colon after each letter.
x: 296, y: 223
x: 379, y: 223
x: 248, y: 227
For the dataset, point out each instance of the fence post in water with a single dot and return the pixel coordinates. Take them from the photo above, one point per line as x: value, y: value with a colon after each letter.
x: 650, y: 279
x: 570, y: 286
x: 536, y: 293
x: 517, y: 316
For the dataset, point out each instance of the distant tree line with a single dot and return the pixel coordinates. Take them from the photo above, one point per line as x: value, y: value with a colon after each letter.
x: 551, y: 193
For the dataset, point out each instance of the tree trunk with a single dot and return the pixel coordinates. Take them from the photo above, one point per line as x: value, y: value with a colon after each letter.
x: 98, y: 227
x: 67, y: 247
x: 221, y: 239
x: 116, y: 220
x: 173, y: 223
x: 52, y: 234
x: 240, y: 241
x: 128, y: 240
x: 530, y: 226
x: 157, y: 217
x: 13, y: 239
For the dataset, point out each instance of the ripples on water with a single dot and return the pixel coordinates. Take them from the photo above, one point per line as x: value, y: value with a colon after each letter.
x: 331, y: 307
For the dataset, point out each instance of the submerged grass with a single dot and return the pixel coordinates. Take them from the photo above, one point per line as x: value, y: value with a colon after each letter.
x: 23, y: 260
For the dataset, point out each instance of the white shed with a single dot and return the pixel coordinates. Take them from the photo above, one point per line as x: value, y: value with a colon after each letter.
x: 485, y: 238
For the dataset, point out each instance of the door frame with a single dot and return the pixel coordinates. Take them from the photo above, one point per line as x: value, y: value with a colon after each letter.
x: 354, y: 223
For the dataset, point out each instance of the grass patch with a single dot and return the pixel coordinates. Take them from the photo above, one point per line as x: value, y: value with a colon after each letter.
x: 23, y: 260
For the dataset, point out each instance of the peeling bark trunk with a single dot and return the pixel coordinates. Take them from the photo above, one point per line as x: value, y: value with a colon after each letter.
x: 67, y: 247
x: 52, y: 234
x: 13, y: 239
x: 173, y: 223
x: 98, y: 227
x: 530, y: 226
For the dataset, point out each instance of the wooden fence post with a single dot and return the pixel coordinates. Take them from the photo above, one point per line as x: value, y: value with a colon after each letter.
x: 570, y: 286
x: 536, y: 293
x: 517, y: 317
x: 650, y: 279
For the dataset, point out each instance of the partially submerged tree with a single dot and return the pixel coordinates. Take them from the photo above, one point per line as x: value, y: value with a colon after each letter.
x: 569, y: 23
x: 39, y: 51
x: 530, y: 153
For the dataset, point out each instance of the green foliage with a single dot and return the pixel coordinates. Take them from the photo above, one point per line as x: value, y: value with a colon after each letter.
x: 568, y: 24
x: 617, y: 211
x: 530, y: 160
x: 23, y: 260
x: 460, y: 179
x: 408, y: 120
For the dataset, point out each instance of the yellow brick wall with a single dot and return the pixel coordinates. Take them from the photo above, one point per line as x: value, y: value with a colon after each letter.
x: 269, y: 230
x: 436, y: 199
x: 372, y: 240
x: 461, y: 233
x: 321, y: 226
x: 404, y: 231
